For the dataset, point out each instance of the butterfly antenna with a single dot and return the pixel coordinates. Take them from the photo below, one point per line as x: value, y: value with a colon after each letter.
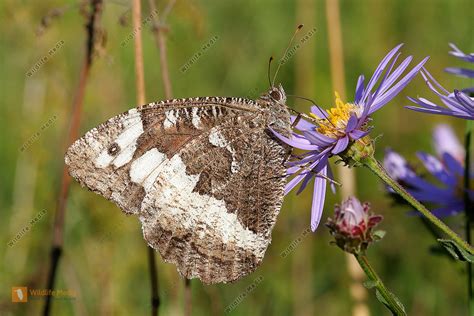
x: 305, y: 116
x: 329, y: 179
x: 286, y: 51
x: 268, y: 71
x: 319, y: 174
x: 315, y: 104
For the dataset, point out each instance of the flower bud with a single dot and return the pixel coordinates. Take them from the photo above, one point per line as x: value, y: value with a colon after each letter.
x: 358, y: 151
x: 352, y: 225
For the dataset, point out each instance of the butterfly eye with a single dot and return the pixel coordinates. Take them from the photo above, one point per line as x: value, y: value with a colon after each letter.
x: 113, y: 149
x: 275, y: 95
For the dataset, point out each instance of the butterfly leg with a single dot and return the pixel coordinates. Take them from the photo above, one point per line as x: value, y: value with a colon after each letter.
x: 296, y: 121
x: 290, y: 149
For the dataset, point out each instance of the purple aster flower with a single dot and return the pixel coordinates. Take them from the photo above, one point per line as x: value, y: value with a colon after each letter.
x: 352, y: 225
x: 457, y: 103
x: 447, y: 193
x: 462, y: 72
x: 327, y: 133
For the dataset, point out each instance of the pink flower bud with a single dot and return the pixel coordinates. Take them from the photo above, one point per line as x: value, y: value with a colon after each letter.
x: 352, y: 225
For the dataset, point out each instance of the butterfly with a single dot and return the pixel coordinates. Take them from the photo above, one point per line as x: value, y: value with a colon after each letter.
x: 205, y: 177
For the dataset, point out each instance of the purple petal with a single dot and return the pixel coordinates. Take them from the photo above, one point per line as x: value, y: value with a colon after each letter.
x: 426, y: 103
x: 294, y: 142
x: 359, y: 89
x: 319, y: 139
x: 424, y: 191
x: 365, y: 113
x: 320, y: 113
x: 462, y: 72
x: 305, y: 182
x: 453, y: 165
x: 341, y: 145
x: 319, y: 195
x: 436, y: 168
x: 449, y: 210
x: 460, y: 54
x: 378, y: 72
x: 357, y: 134
x: 468, y: 91
x: 384, y: 86
x: 292, y: 170
x: 464, y: 100
x: 293, y: 183
x: 352, y: 123
x: 392, y: 92
x: 385, y: 82
x: 396, y: 165
x: 315, y: 169
x: 440, y: 112
x: 302, y: 124
x: 452, y: 102
x: 310, y: 158
x: 428, y: 77
x: 446, y: 141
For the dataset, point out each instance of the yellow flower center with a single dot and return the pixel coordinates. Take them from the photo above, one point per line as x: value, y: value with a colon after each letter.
x: 335, y: 123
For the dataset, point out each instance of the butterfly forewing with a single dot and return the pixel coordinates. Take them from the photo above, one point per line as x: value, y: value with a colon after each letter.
x: 204, y: 175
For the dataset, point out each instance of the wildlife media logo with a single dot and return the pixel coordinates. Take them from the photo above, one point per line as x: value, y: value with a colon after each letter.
x: 20, y: 294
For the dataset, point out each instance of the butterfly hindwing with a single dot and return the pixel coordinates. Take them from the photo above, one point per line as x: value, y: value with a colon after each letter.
x: 214, y: 203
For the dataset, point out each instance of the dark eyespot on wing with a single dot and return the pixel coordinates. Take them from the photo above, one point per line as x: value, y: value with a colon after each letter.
x: 113, y: 149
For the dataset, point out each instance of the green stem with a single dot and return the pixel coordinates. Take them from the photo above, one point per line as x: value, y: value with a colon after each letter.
x: 468, y: 211
x: 395, y: 307
x: 371, y: 163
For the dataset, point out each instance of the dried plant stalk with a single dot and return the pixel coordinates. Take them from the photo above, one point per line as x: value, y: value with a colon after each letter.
x: 58, y: 229
x: 346, y: 175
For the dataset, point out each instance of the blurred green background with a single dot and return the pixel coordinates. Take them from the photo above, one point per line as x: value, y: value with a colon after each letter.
x: 105, y: 257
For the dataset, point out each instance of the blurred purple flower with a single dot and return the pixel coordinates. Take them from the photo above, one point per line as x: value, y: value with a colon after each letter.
x: 447, y: 169
x: 445, y: 141
x: 331, y: 132
x: 457, y: 103
x: 352, y: 225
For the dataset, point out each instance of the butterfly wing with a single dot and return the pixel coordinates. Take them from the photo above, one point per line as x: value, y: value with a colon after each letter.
x: 205, y: 181
x: 102, y: 158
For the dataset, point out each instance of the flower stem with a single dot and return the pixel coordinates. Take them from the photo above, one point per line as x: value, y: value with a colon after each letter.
x: 371, y: 163
x: 389, y: 299
x: 469, y: 212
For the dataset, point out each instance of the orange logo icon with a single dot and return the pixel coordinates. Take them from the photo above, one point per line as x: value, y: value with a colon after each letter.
x: 19, y: 294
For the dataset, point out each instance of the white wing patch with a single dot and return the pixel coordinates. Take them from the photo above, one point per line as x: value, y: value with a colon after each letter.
x: 127, y: 142
x: 172, y: 195
x: 170, y: 118
x: 144, y: 166
x: 196, y: 120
